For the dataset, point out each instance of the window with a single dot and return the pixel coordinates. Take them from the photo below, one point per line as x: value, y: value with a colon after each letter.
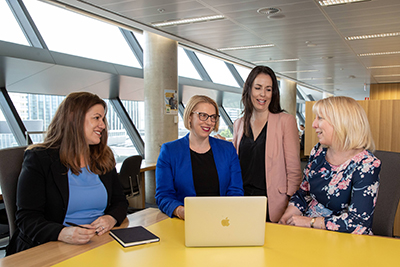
x: 68, y: 32
x: 10, y: 30
x: 118, y: 139
x: 36, y: 112
x: 7, y: 139
x: 185, y: 66
x: 217, y: 70
x: 243, y: 71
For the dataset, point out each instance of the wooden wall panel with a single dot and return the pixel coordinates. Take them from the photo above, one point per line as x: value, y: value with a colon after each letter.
x: 310, y: 138
x: 384, y: 91
x: 396, y: 126
x: 385, y: 125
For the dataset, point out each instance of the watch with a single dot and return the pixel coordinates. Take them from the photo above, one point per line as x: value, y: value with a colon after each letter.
x: 312, y: 222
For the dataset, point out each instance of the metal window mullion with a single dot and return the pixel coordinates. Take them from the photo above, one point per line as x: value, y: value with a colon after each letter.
x: 130, y: 128
x: 134, y: 45
x: 26, y: 23
x: 14, y: 121
x: 235, y: 74
x: 226, y: 118
x: 197, y: 65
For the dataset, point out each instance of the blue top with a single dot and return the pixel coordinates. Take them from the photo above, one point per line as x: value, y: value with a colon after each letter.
x: 345, y: 195
x: 87, y: 197
x: 174, y: 176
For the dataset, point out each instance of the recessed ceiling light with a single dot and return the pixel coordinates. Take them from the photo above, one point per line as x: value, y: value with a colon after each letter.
x: 297, y: 71
x: 371, y: 36
x: 187, y: 21
x: 276, y: 60
x: 383, y: 67
x: 245, y: 47
x: 378, y: 54
x: 387, y: 75
x: 268, y: 10
x: 339, y: 2
x: 310, y: 44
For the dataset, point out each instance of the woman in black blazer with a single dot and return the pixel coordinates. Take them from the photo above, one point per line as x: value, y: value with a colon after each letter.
x: 70, y: 177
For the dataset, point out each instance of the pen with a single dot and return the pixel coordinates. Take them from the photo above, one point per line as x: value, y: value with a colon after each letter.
x: 77, y: 225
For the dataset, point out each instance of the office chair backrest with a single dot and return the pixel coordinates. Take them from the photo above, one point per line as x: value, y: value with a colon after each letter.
x: 128, y: 175
x: 388, y: 195
x: 10, y: 167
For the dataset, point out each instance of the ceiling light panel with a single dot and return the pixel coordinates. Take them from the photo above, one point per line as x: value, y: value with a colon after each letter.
x: 387, y: 75
x: 339, y: 2
x: 187, y: 21
x: 379, y: 54
x: 245, y: 47
x: 384, y: 67
x: 372, y: 36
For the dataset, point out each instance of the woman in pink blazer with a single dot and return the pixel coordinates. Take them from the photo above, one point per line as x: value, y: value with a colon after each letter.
x: 267, y: 142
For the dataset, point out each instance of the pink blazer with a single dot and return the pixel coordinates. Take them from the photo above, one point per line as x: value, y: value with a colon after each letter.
x: 282, y: 160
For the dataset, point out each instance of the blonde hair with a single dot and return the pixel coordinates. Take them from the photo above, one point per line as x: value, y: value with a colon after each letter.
x: 351, y: 128
x: 192, y: 103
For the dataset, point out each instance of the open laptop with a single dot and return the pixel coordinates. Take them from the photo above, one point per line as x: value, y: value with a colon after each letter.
x: 225, y: 221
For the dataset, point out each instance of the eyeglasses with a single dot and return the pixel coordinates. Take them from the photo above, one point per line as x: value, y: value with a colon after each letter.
x: 205, y: 116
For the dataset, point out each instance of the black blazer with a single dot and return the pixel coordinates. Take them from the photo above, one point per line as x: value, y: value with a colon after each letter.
x: 42, y: 199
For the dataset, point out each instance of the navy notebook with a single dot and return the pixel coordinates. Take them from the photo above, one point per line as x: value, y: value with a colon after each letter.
x: 133, y: 236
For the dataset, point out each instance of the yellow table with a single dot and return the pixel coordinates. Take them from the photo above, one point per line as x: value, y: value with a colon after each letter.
x: 284, y: 246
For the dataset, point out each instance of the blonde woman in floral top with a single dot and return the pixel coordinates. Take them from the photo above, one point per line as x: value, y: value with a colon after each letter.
x: 341, y: 180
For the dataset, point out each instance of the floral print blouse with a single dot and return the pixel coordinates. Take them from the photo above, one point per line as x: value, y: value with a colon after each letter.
x: 345, y: 195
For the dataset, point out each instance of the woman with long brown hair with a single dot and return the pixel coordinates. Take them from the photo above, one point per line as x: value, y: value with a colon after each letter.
x: 70, y: 177
x: 267, y: 142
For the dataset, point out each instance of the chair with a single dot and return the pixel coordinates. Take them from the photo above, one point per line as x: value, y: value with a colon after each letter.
x: 10, y: 167
x: 388, y: 195
x: 129, y: 178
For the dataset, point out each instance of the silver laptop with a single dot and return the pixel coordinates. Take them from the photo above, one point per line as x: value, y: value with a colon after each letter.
x: 225, y: 221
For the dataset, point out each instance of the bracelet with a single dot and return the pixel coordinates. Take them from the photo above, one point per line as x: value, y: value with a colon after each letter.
x: 312, y: 222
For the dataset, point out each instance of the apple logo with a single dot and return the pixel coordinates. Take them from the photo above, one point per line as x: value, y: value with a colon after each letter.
x: 225, y: 222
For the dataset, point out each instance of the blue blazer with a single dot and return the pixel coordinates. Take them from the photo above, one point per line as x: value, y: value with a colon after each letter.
x: 174, y: 176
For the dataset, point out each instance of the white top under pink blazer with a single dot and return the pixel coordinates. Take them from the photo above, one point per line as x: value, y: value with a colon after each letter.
x: 282, y: 160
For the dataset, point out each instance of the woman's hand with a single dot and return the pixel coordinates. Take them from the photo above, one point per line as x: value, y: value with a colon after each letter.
x: 103, y: 224
x: 77, y: 235
x: 290, y: 211
x: 180, y: 212
x: 302, y: 221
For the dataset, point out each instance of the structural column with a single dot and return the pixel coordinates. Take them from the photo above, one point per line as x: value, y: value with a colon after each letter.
x: 160, y: 74
x: 288, y: 92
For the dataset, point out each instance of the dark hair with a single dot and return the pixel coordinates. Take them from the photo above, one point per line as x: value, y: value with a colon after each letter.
x: 274, y: 106
x: 66, y: 133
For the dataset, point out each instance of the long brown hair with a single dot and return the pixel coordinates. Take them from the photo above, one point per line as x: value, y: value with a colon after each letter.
x: 66, y: 133
x: 274, y: 105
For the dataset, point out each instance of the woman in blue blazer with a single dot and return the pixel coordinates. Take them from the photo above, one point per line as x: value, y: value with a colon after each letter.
x: 197, y: 164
